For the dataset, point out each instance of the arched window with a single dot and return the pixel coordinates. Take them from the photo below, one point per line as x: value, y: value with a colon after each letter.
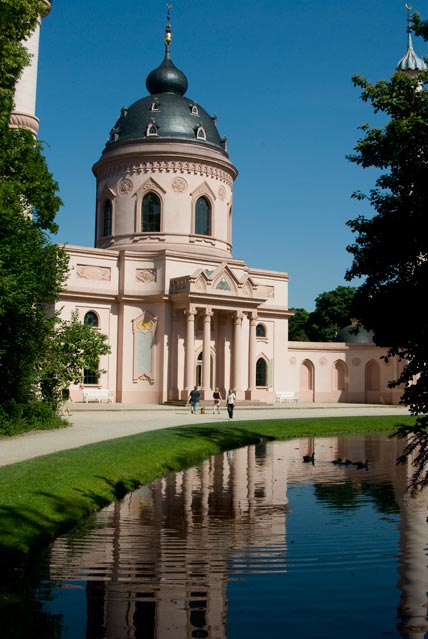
x: 91, y: 376
x: 200, y: 133
x: 91, y: 319
x: 261, y: 372
x: 151, y: 130
x: 203, y: 217
x: 150, y: 214
x: 107, y: 218
x: 260, y: 330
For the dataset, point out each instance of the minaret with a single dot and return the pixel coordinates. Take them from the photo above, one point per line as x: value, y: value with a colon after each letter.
x: 411, y: 64
x: 24, y: 113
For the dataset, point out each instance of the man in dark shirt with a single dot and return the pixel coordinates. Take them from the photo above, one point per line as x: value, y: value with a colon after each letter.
x: 194, y: 398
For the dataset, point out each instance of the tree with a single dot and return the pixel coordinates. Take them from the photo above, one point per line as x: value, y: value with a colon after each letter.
x: 332, y: 313
x: 32, y: 270
x: 390, y: 250
x: 297, y: 324
x: 73, y: 347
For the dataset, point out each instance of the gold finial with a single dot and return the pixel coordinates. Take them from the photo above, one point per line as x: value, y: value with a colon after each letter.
x: 408, y: 9
x: 168, y: 34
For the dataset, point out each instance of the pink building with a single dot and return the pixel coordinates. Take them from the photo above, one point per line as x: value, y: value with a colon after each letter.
x: 162, y: 282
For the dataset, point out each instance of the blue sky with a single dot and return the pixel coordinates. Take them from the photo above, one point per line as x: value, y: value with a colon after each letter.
x: 278, y: 77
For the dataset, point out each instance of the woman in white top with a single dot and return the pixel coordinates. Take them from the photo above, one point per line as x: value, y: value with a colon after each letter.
x: 231, y: 397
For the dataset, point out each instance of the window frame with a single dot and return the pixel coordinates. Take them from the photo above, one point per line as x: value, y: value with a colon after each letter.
x: 207, y: 226
x: 153, y: 195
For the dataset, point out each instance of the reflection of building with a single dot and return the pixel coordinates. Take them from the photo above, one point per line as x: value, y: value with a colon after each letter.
x: 169, y: 553
x: 162, y: 283
x: 160, y: 561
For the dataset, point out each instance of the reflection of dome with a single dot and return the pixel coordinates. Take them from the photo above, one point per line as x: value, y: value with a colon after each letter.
x: 349, y: 335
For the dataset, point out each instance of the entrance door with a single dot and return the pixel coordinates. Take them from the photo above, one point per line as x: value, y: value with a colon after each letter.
x: 199, y: 370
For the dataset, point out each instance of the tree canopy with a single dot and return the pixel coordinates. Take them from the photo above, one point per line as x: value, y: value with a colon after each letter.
x: 73, y: 347
x: 297, y: 324
x: 32, y: 269
x: 390, y: 249
x: 333, y: 311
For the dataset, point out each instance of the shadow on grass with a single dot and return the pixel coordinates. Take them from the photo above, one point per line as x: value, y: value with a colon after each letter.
x: 223, y: 437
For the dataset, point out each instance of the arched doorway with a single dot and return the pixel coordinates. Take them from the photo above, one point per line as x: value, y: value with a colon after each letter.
x: 307, y: 381
x: 200, y: 372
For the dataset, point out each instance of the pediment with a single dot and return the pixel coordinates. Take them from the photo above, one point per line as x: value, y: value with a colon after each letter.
x: 203, y: 189
x: 150, y: 185
x: 219, y: 281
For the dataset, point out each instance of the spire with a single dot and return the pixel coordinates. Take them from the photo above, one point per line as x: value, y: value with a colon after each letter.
x: 167, y: 78
x: 168, y: 31
x: 410, y: 63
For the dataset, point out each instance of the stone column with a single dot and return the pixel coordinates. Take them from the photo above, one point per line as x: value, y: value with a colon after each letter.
x: 173, y: 358
x: 190, y: 349
x: 237, y: 351
x: 252, y: 353
x: 206, y: 351
x: 220, y: 378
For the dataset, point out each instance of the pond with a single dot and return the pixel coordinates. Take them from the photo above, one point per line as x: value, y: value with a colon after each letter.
x: 252, y: 543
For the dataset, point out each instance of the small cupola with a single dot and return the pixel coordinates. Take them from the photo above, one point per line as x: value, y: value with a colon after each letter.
x: 410, y: 63
x: 167, y: 78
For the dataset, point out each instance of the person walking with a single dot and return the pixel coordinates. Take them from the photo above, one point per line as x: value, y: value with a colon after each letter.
x: 216, y: 399
x: 194, y: 398
x: 231, y: 398
x: 65, y: 408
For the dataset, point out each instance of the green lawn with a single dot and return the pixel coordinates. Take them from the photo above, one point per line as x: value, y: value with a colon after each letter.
x: 43, y: 497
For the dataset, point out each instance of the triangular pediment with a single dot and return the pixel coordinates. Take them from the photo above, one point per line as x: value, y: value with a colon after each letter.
x: 203, y: 189
x: 150, y: 185
x: 224, y: 281
x: 219, y: 281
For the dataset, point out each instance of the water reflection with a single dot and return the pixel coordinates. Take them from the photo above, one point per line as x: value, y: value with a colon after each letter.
x: 252, y: 543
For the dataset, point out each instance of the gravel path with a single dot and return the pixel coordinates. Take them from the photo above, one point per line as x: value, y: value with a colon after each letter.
x: 92, y: 423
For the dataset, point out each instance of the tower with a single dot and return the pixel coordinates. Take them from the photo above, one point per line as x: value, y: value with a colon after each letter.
x: 24, y: 113
x: 164, y: 180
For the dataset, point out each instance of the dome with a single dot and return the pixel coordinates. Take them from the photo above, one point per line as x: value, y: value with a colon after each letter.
x: 166, y: 79
x: 166, y: 115
x: 350, y: 335
x: 411, y: 62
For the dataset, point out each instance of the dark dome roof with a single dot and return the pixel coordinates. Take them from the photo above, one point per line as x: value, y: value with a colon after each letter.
x: 349, y: 335
x: 173, y: 117
x: 166, y: 79
x: 166, y: 114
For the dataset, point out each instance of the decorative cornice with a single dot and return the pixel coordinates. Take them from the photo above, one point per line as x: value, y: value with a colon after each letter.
x: 170, y: 166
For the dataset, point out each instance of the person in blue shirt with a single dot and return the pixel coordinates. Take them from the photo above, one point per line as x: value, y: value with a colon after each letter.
x: 194, y: 398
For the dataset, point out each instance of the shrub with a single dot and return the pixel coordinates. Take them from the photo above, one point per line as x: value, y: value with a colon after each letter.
x: 21, y: 418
